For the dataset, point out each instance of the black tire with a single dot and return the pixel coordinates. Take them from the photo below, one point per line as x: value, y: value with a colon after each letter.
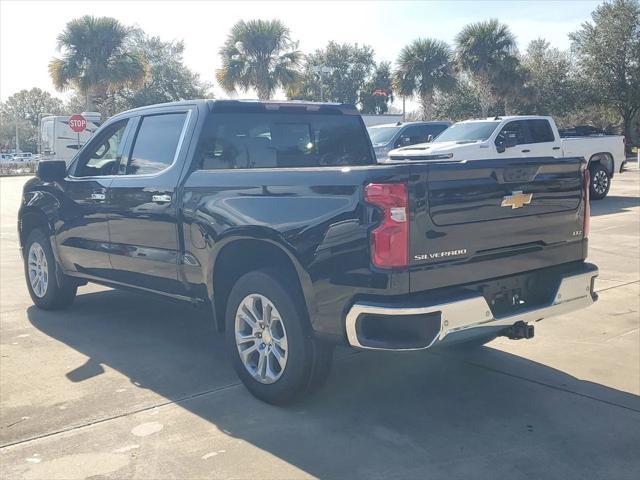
x: 600, y: 181
x: 57, y: 295
x: 309, y: 360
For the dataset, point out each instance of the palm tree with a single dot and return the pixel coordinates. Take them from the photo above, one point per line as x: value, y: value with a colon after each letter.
x: 95, y: 57
x: 487, y: 51
x: 423, y: 67
x: 259, y: 54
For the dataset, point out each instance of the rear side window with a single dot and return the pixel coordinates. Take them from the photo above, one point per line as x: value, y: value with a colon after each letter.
x: 540, y: 131
x: 282, y: 140
x: 156, y: 143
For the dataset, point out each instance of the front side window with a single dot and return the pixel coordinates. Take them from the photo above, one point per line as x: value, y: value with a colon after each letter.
x: 414, y: 134
x: 517, y: 129
x: 277, y: 140
x: 102, y: 154
x: 156, y: 143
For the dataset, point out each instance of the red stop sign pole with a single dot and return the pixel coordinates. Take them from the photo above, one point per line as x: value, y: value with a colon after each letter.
x: 77, y: 123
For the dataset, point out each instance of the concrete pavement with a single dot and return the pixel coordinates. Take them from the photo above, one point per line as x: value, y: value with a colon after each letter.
x: 124, y: 386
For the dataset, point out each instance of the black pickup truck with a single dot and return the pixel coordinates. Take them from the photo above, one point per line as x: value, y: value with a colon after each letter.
x: 275, y: 217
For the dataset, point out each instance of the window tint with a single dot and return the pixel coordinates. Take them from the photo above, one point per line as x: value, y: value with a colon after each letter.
x: 103, y: 153
x: 518, y: 129
x: 540, y: 131
x: 278, y: 140
x: 156, y: 143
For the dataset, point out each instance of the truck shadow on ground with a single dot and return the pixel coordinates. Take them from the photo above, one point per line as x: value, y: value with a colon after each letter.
x: 613, y: 204
x: 449, y: 413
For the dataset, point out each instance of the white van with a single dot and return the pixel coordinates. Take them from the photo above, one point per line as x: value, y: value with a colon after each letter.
x: 58, y: 141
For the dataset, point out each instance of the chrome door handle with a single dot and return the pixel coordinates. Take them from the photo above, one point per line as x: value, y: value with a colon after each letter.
x: 98, y: 197
x: 161, y: 198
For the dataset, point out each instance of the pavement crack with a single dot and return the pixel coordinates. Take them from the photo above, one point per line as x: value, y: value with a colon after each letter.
x: 618, y: 286
x: 122, y: 415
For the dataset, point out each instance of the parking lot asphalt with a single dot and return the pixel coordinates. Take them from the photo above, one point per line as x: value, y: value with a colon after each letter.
x: 126, y: 386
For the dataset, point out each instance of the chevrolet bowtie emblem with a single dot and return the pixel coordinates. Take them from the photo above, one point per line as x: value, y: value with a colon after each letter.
x: 516, y: 199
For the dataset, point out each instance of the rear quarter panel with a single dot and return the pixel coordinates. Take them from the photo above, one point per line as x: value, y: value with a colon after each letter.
x: 316, y: 215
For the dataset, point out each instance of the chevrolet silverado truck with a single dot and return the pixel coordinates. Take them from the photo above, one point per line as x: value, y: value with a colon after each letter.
x: 276, y: 218
x: 525, y: 137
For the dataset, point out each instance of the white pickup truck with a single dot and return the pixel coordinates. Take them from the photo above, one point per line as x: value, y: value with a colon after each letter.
x: 521, y: 136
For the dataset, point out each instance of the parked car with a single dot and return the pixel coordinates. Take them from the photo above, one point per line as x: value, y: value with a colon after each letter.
x: 522, y: 137
x: 6, y: 157
x: 276, y: 218
x: 393, y: 135
x: 23, y: 157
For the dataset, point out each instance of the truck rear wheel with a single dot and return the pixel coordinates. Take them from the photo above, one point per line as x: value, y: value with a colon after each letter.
x: 41, y: 275
x: 271, y: 344
x: 600, y: 181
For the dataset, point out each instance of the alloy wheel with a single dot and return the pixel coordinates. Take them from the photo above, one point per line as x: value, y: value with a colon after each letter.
x: 38, y: 269
x: 261, y: 338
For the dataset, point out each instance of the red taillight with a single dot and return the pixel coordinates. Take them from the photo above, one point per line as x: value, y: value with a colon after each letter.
x: 587, y: 206
x: 390, y: 239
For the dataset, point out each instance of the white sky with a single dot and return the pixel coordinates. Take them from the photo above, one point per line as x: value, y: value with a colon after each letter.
x: 28, y: 29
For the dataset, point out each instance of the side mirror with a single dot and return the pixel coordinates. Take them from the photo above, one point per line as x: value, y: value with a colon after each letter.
x: 51, y: 170
x: 429, y: 138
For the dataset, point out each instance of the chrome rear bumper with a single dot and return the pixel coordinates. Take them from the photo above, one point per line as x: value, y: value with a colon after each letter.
x: 574, y: 292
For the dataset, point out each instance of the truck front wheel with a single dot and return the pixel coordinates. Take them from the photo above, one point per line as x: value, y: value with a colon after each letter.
x: 272, y: 347
x: 40, y: 271
x: 600, y: 181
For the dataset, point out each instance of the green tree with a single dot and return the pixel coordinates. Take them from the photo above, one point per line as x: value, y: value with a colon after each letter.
x: 377, y: 93
x: 96, y: 58
x: 608, y: 56
x: 25, y: 108
x: 487, y: 52
x: 259, y: 54
x: 553, y: 89
x: 168, y: 78
x: 425, y: 67
x: 347, y: 68
x: 458, y: 104
x: 29, y: 105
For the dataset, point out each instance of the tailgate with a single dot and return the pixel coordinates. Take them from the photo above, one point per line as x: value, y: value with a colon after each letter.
x: 487, y: 218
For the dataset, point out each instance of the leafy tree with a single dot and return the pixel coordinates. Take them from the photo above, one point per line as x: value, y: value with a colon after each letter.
x: 168, y: 78
x: 377, y: 94
x: 28, y: 105
x: 487, y: 52
x: 608, y: 54
x: 349, y: 67
x: 460, y: 103
x: 258, y: 54
x: 553, y: 90
x: 96, y: 58
x: 424, y: 67
x: 25, y: 109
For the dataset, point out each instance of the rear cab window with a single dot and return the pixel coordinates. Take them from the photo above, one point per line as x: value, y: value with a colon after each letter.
x: 282, y: 140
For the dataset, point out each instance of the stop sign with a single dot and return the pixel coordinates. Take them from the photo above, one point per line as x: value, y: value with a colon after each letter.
x: 77, y: 123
